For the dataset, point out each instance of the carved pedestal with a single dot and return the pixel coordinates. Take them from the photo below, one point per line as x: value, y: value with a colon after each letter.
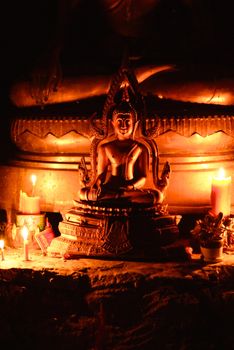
x: 96, y: 231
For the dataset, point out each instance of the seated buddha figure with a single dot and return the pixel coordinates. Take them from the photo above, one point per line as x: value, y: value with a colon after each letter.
x: 117, y: 213
x: 123, y: 165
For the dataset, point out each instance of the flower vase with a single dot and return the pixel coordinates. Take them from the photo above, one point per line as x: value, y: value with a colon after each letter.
x: 212, y: 254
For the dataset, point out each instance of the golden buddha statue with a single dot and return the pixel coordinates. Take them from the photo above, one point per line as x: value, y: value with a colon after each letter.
x: 128, y: 160
x: 116, y: 205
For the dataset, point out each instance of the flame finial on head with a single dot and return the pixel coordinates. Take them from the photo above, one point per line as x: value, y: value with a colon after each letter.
x: 125, y: 96
x: 124, y: 106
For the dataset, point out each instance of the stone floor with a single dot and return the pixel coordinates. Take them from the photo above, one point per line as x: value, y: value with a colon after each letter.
x: 92, y: 304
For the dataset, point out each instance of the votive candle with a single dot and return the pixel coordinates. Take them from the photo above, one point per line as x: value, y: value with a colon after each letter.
x: 221, y: 194
x: 25, y: 237
x: 29, y: 204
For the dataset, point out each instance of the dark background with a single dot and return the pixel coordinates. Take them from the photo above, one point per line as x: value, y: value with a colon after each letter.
x: 200, y: 31
x: 178, y: 31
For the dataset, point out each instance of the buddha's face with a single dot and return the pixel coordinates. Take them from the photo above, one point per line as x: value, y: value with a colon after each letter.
x: 123, y: 125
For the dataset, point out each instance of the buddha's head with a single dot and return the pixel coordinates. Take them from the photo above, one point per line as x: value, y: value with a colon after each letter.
x: 123, y: 120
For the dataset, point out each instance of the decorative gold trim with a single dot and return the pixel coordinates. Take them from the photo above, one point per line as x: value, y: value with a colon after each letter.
x: 185, y: 126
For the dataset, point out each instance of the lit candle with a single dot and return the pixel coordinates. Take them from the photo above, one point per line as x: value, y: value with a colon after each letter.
x: 30, y: 204
x: 24, y: 233
x: 34, y: 180
x: 221, y: 194
x: 2, y: 248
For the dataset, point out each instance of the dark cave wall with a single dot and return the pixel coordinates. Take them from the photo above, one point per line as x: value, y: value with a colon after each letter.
x: 93, y: 309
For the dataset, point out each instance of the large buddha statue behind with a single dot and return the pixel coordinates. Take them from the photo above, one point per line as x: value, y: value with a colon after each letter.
x: 85, y: 40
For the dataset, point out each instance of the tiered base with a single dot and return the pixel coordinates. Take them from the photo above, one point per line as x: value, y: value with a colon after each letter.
x: 98, y: 231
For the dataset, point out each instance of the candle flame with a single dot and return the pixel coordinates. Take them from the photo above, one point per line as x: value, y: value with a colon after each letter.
x: 1, y: 243
x: 34, y: 179
x: 24, y: 232
x: 221, y: 173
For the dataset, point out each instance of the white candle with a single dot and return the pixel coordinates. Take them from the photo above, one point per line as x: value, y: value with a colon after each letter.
x: 221, y: 194
x: 2, y: 248
x: 24, y: 233
x: 29, y: 205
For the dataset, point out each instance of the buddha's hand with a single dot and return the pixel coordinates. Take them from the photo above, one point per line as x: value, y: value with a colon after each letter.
x: 128, y: 188
x: 98, y: 188
x: 163, y: 182
x: 45, y: 78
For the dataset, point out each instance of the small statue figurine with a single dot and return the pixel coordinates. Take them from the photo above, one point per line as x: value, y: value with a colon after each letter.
x: 128, y: 160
